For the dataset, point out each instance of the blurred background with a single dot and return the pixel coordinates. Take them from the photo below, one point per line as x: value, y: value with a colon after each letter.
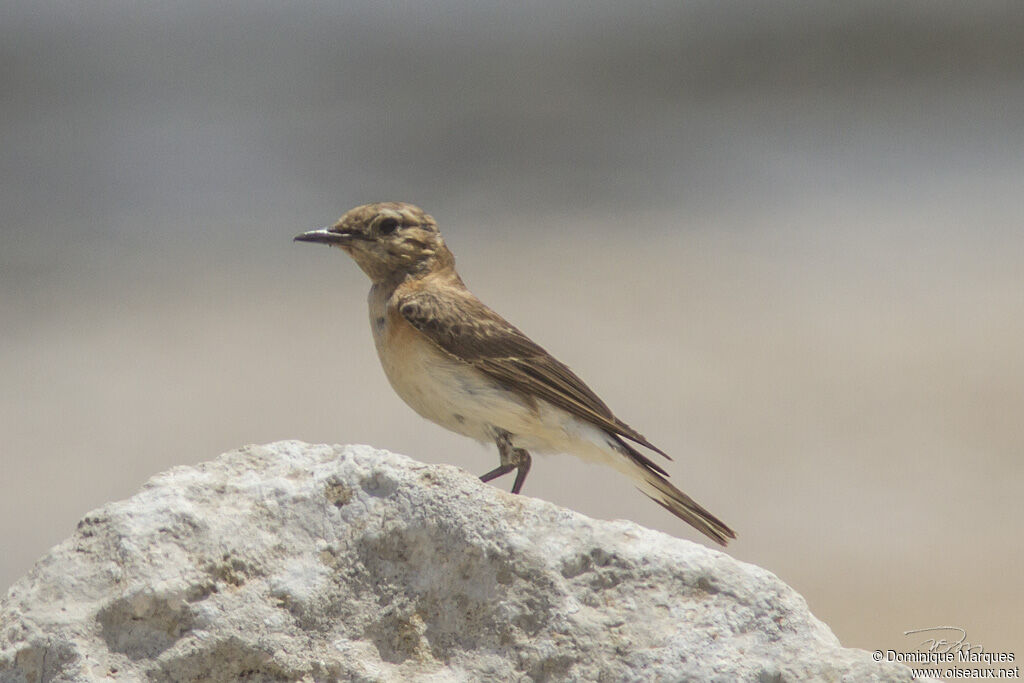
x: 784, y: 240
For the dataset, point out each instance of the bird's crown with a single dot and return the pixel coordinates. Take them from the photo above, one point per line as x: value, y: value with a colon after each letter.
x: 382, y: 218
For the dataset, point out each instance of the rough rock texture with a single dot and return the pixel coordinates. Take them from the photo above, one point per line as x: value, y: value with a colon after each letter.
x: 298, y: 562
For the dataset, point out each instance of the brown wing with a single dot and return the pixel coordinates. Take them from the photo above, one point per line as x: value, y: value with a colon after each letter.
x: 464, y: 327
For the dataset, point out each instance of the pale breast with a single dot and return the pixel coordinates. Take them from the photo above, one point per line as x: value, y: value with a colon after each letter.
x: 442, y: 389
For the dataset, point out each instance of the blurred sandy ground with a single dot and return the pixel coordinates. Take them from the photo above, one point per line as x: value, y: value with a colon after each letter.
x: 809, y: 293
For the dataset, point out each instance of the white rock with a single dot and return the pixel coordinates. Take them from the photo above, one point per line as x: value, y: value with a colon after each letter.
x: 298, y: 562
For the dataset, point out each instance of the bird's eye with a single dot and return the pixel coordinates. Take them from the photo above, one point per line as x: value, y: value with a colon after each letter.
x: 388, y: 226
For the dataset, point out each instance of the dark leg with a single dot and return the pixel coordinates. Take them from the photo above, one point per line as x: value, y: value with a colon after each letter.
x: 511, y: 459
x: 524, y: 469
x: 497, y: 472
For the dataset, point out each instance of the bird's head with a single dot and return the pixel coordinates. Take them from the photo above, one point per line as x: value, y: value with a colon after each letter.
x: 387, y: 239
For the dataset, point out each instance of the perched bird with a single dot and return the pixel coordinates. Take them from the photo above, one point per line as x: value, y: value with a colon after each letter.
x: 459, y: 364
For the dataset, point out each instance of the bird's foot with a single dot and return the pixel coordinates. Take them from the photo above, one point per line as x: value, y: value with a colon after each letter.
x: 511, y: 459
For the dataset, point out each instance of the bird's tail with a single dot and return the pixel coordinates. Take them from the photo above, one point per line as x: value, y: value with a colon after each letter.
x: 658, y: 489
x: 652, y: 480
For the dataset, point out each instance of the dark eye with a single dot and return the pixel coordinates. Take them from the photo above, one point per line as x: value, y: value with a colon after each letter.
x: 388, y: 226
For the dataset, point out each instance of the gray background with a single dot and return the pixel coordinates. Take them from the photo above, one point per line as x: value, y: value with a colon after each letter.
x: 784, y: 240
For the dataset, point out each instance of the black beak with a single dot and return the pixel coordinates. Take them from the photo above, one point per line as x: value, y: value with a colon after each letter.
x: 327, y: 236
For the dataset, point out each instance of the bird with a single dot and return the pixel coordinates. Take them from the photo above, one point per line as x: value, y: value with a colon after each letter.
x: 459, y: 364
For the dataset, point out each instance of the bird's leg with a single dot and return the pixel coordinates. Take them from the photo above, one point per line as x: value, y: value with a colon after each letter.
x: 511, y: 459
x: 521, y: 470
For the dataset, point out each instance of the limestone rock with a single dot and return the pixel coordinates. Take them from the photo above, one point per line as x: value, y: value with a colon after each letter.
x: 291, y: 562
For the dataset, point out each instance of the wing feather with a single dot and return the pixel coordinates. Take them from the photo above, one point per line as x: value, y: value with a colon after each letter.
x: 462, y: 326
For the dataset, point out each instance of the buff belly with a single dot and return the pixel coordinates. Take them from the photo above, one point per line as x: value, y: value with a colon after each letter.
x: 460, y: 398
